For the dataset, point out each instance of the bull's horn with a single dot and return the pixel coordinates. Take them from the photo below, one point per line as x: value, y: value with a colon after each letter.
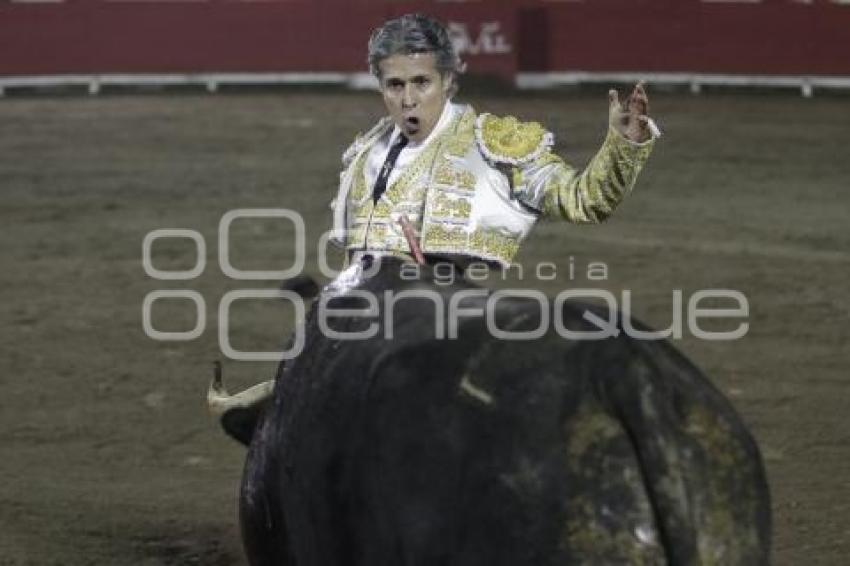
x: 220, y: 401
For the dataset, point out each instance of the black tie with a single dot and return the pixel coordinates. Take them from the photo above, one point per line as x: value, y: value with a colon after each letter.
x: 384, y: 175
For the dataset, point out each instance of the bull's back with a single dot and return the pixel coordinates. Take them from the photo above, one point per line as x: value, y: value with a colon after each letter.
x: 480, y: 451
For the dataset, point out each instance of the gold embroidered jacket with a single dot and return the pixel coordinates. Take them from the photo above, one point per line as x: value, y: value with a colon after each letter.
x: 477, y: 189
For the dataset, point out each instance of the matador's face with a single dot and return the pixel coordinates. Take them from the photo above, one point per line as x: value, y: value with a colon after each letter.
x: 414, y: 92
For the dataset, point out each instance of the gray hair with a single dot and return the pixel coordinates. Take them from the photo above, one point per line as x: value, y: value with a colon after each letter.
x: 414, y: 33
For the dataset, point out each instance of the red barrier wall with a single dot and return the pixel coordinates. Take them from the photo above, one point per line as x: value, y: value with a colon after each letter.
x: 778, y: 37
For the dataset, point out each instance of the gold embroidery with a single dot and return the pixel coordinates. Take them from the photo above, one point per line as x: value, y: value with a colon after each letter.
x: 457, y: 147
x: 509, y: 140
x: 547, y: 159
x: 358, y: 191
x: 464, y: 135
x: 386, y: 235
x: 446, y: 174
x: 376, y: 237
x: 495, y: 245
x: 517, y: 178
x: 592, y: 195
x: 444, y: 205
x: 409, y: 190
x: 487, y: 244
x: 442, y: 238
x: 420, y: 166
x: 356, y: 236
x: 382, y: 209
x: 437, y: 175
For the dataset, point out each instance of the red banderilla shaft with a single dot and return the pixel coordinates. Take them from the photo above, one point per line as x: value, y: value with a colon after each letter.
x: 410, y: 236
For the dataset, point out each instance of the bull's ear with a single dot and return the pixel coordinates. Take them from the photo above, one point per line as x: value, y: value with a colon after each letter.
x: 302, y: 284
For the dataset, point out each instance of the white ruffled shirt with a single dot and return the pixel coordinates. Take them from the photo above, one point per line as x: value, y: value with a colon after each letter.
x: 378, y: 152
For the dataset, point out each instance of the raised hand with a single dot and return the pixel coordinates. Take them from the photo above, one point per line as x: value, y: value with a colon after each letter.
x: 630, y: 117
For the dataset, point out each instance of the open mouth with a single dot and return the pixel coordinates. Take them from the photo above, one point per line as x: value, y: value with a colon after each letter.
x: 411, y: 125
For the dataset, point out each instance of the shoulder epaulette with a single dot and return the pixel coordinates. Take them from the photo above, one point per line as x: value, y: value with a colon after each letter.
x: 507, y: 140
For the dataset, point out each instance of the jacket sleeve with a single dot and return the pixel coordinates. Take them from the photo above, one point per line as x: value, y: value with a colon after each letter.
x: 556, y: 189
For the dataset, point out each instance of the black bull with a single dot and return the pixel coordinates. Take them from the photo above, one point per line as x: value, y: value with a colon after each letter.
x: 479, y: 451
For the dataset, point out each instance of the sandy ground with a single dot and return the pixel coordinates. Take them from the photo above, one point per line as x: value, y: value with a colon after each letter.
x: 107, y: 454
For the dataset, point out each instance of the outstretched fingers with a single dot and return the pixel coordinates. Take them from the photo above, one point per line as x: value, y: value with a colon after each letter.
x: 631, y: 116
x: 614, y: 100
x: 639, y: 100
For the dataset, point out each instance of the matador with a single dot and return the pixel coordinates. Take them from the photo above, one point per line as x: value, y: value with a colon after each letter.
x: 471, y: 186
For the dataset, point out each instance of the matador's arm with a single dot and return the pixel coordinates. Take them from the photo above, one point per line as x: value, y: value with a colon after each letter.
x: 590, y: 195
x: 544, y: 182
